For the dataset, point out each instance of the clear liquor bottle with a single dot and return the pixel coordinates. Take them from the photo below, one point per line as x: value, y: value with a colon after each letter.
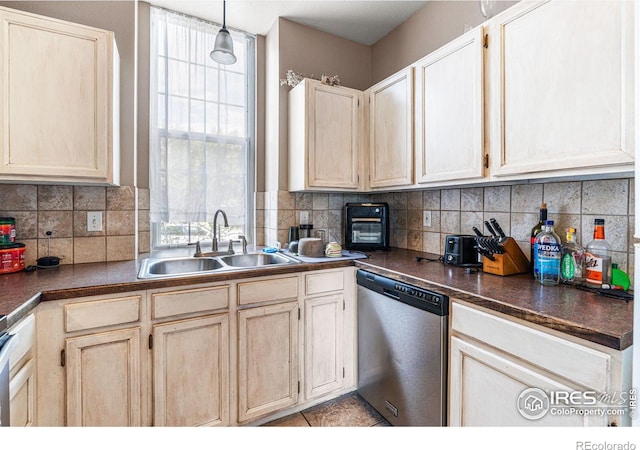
x: 572, y: 264
x: 537, y: 228
x: 598, y: 257
x: 548, y: 250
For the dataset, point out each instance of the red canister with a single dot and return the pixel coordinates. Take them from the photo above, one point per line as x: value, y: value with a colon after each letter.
x: 11, y: 258
x: 7, y: 230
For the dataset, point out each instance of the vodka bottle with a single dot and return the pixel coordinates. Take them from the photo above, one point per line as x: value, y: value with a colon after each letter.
x: 572, y: 264
x: 537, y: 228
x: 548, y: 254
x: 598, y: 257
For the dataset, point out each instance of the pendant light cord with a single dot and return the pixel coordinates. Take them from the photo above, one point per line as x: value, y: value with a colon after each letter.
x: 224, y: 14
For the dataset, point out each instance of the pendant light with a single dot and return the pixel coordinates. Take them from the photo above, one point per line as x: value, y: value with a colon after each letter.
x: 223, y: 49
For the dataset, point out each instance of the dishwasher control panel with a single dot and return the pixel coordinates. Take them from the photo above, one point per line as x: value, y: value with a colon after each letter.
x: 412, y: 295
x: 421, y: 294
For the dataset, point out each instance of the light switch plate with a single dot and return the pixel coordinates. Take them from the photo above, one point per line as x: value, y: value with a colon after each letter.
x: 426, y: 218
x: 304, y: 217
x: 94, y: 221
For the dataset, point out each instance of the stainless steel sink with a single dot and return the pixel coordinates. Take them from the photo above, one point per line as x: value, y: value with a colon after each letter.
x: 256, y: 260
x: 188, y: 265
x: 152, y: 268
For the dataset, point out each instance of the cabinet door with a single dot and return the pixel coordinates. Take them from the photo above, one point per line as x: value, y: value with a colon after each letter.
x: 324, y: 137
x: 191, y: 372
x: 104, y: 379
x: 450, y: 111
x: 323, y: 346
x: 23, y: 396
x: 561, y: 78
x: 56, y: 91
x: 267, y: 359
x: 485, y: 387
x: 391, y: 131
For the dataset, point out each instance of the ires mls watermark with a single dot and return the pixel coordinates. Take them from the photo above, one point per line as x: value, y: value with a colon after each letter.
x: 535, y: 403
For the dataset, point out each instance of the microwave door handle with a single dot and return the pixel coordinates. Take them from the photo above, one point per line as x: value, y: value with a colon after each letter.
x: 366, y: 219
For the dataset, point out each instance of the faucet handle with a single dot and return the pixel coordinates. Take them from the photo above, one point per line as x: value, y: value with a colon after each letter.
x: 198, y: 251
x: 243, y: 239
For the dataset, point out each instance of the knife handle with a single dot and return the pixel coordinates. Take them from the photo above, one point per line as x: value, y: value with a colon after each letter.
x: 497, y: 227
x: 490, y: 228
x: 477, y: 232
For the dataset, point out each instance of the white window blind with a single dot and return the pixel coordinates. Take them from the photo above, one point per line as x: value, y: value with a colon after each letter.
x: 202, y: 118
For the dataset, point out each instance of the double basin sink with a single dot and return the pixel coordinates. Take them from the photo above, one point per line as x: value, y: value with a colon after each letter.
x: 188, y: 265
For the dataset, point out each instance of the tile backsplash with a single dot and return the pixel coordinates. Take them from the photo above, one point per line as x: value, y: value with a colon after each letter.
x: 63, y: 211
x: 456, y: 210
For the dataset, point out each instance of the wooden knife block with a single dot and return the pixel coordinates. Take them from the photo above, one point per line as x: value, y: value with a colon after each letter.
x: 509, y: 263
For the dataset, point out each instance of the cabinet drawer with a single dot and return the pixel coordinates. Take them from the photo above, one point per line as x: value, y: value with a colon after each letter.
x: 317, y: 283
x: 101, y: 313
x: 557, y: 355
x: 25, y: 332
x: 167, y: 304
x: 267, y: 290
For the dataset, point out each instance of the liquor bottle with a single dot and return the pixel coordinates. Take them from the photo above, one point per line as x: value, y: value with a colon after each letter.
x: 548, y: 254
x: 534, y: 232
x: 598, y: 257
x: 572, y: 264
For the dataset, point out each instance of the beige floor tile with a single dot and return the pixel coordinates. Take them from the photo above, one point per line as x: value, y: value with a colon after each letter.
x: 294, y: 420
x: 346, y: 411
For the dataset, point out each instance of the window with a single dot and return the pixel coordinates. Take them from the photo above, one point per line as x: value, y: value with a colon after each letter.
x: 202, y: 122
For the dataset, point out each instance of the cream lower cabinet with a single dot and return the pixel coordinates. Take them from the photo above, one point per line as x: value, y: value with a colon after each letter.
x: 91, y: 361
x: 324, y: 137
x: 268, y: 350
x: 559, y: 91
x: 267, y: 359
x: 191, y: 372
x: 104, y: 383
x: 329, y: 332
x: 507, y: 373
x: 217, y: 354
x: 22, y: 374
x: 60, y: 101
x: 390, y: 119
x: 190, y: 352
x: 104, y: 368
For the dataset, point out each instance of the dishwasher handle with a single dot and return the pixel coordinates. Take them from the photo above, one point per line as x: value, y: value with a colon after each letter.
x: 390, y: 294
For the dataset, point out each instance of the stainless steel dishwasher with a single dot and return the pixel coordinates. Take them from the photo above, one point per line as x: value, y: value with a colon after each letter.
x: 402, y: 350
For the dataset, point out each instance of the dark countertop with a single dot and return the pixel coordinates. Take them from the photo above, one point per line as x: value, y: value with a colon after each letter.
x: 22, y: 291
x: 583, y: 314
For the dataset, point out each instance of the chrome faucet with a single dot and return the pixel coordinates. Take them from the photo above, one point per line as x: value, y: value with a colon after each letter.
x: 214, y: 244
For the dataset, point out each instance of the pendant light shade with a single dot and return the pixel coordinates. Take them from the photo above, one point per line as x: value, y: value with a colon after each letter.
x: 223, y: 49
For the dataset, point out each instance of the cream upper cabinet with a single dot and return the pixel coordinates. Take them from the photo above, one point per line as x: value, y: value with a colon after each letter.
x: 59, y: 99
x: 390, y: 122
x: 324, y: 137
x: 503, y: 373
x: 561, y: 84
x: 449, y: 112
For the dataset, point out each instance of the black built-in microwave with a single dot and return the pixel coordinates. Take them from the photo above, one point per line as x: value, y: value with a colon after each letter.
x: 366, y: 226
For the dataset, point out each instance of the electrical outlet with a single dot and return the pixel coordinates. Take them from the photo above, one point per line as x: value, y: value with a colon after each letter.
x: 94, y: 221
x: 304, y: 217
x: 426, y: 218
